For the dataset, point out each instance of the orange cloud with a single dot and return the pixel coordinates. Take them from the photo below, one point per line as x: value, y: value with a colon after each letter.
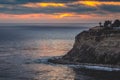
x: 52, y: 4
x: 55, y: 18
x: 62, y: 15
x: 97, y: 3
x: 50, y: 16
x: 22, y: 16
x: 37, y: 5
x: 90, y: 3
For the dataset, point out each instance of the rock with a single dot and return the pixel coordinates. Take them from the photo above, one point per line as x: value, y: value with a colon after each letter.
x: 94, y: 47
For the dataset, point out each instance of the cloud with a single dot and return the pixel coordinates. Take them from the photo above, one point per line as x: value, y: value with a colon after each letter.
x: 43, y: 4
x: 59, y: 6
x: 112, y: 9
x: 36, y: 1
x: 33, y: 1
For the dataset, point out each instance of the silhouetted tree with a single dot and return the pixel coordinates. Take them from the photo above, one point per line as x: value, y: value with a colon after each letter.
x: 116, y: 23
x: 107, y: 24
x: 100, y: 24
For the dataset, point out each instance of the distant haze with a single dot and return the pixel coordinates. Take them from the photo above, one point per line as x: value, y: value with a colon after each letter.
x: 47, y: 25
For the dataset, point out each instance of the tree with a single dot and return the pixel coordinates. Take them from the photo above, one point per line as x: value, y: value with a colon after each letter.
x: 100, y: 24
x: 107, y: 24
x: 116, y: 23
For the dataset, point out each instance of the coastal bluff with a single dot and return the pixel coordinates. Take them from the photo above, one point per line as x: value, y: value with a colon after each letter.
x: 95, y: 49
x: 96, y: 46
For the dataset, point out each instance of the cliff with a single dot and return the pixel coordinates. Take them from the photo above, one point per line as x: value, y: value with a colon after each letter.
x: 94, y: 46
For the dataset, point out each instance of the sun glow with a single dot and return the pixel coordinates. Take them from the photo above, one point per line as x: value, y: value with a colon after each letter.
x: 98, y: 3
x: 90, y: 3
x: 36, y: 5
x: 62, y: 15
x: 51, y: 4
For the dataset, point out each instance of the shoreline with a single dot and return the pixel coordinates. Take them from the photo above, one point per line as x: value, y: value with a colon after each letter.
x: 91, y: 66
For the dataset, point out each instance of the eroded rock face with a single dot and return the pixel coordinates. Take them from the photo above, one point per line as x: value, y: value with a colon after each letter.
x: 92, y: 48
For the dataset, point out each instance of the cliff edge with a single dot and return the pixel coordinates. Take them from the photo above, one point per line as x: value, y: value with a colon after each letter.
x: 98, y: 46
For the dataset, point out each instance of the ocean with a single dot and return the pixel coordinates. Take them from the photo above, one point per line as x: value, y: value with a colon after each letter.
x: 23, y: 47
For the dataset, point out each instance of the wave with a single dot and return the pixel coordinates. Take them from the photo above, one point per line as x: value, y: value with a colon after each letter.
x: 81, y: 66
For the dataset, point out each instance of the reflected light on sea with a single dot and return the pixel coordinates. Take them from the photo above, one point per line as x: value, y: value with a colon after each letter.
x: 46, y: 48
x: 48, y: 72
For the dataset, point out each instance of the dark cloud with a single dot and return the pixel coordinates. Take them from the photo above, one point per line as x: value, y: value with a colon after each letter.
x: 46, y: 10
x: 109, y: 8
x: 34, y: 1
x: 9, y: 8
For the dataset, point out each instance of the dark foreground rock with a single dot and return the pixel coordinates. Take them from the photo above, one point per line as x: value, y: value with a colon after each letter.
x: 96, y: 74
x: 97, y: 47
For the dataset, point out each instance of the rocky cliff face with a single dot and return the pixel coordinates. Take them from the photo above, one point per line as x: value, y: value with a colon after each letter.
x: 99, y: 47
x: 91, y: 47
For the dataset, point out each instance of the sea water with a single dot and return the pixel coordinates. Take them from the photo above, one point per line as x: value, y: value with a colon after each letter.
x: 22, y: 46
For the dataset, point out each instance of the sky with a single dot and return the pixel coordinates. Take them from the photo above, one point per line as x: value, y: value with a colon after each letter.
x: 58, y: 11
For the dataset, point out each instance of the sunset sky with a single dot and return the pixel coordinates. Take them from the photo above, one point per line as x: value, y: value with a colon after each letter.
x: 58, y: 11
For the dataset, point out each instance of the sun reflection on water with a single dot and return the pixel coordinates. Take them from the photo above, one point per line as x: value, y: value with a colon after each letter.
x: 49, y: 48
x: 46, y: 48
x: 48, y: 72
